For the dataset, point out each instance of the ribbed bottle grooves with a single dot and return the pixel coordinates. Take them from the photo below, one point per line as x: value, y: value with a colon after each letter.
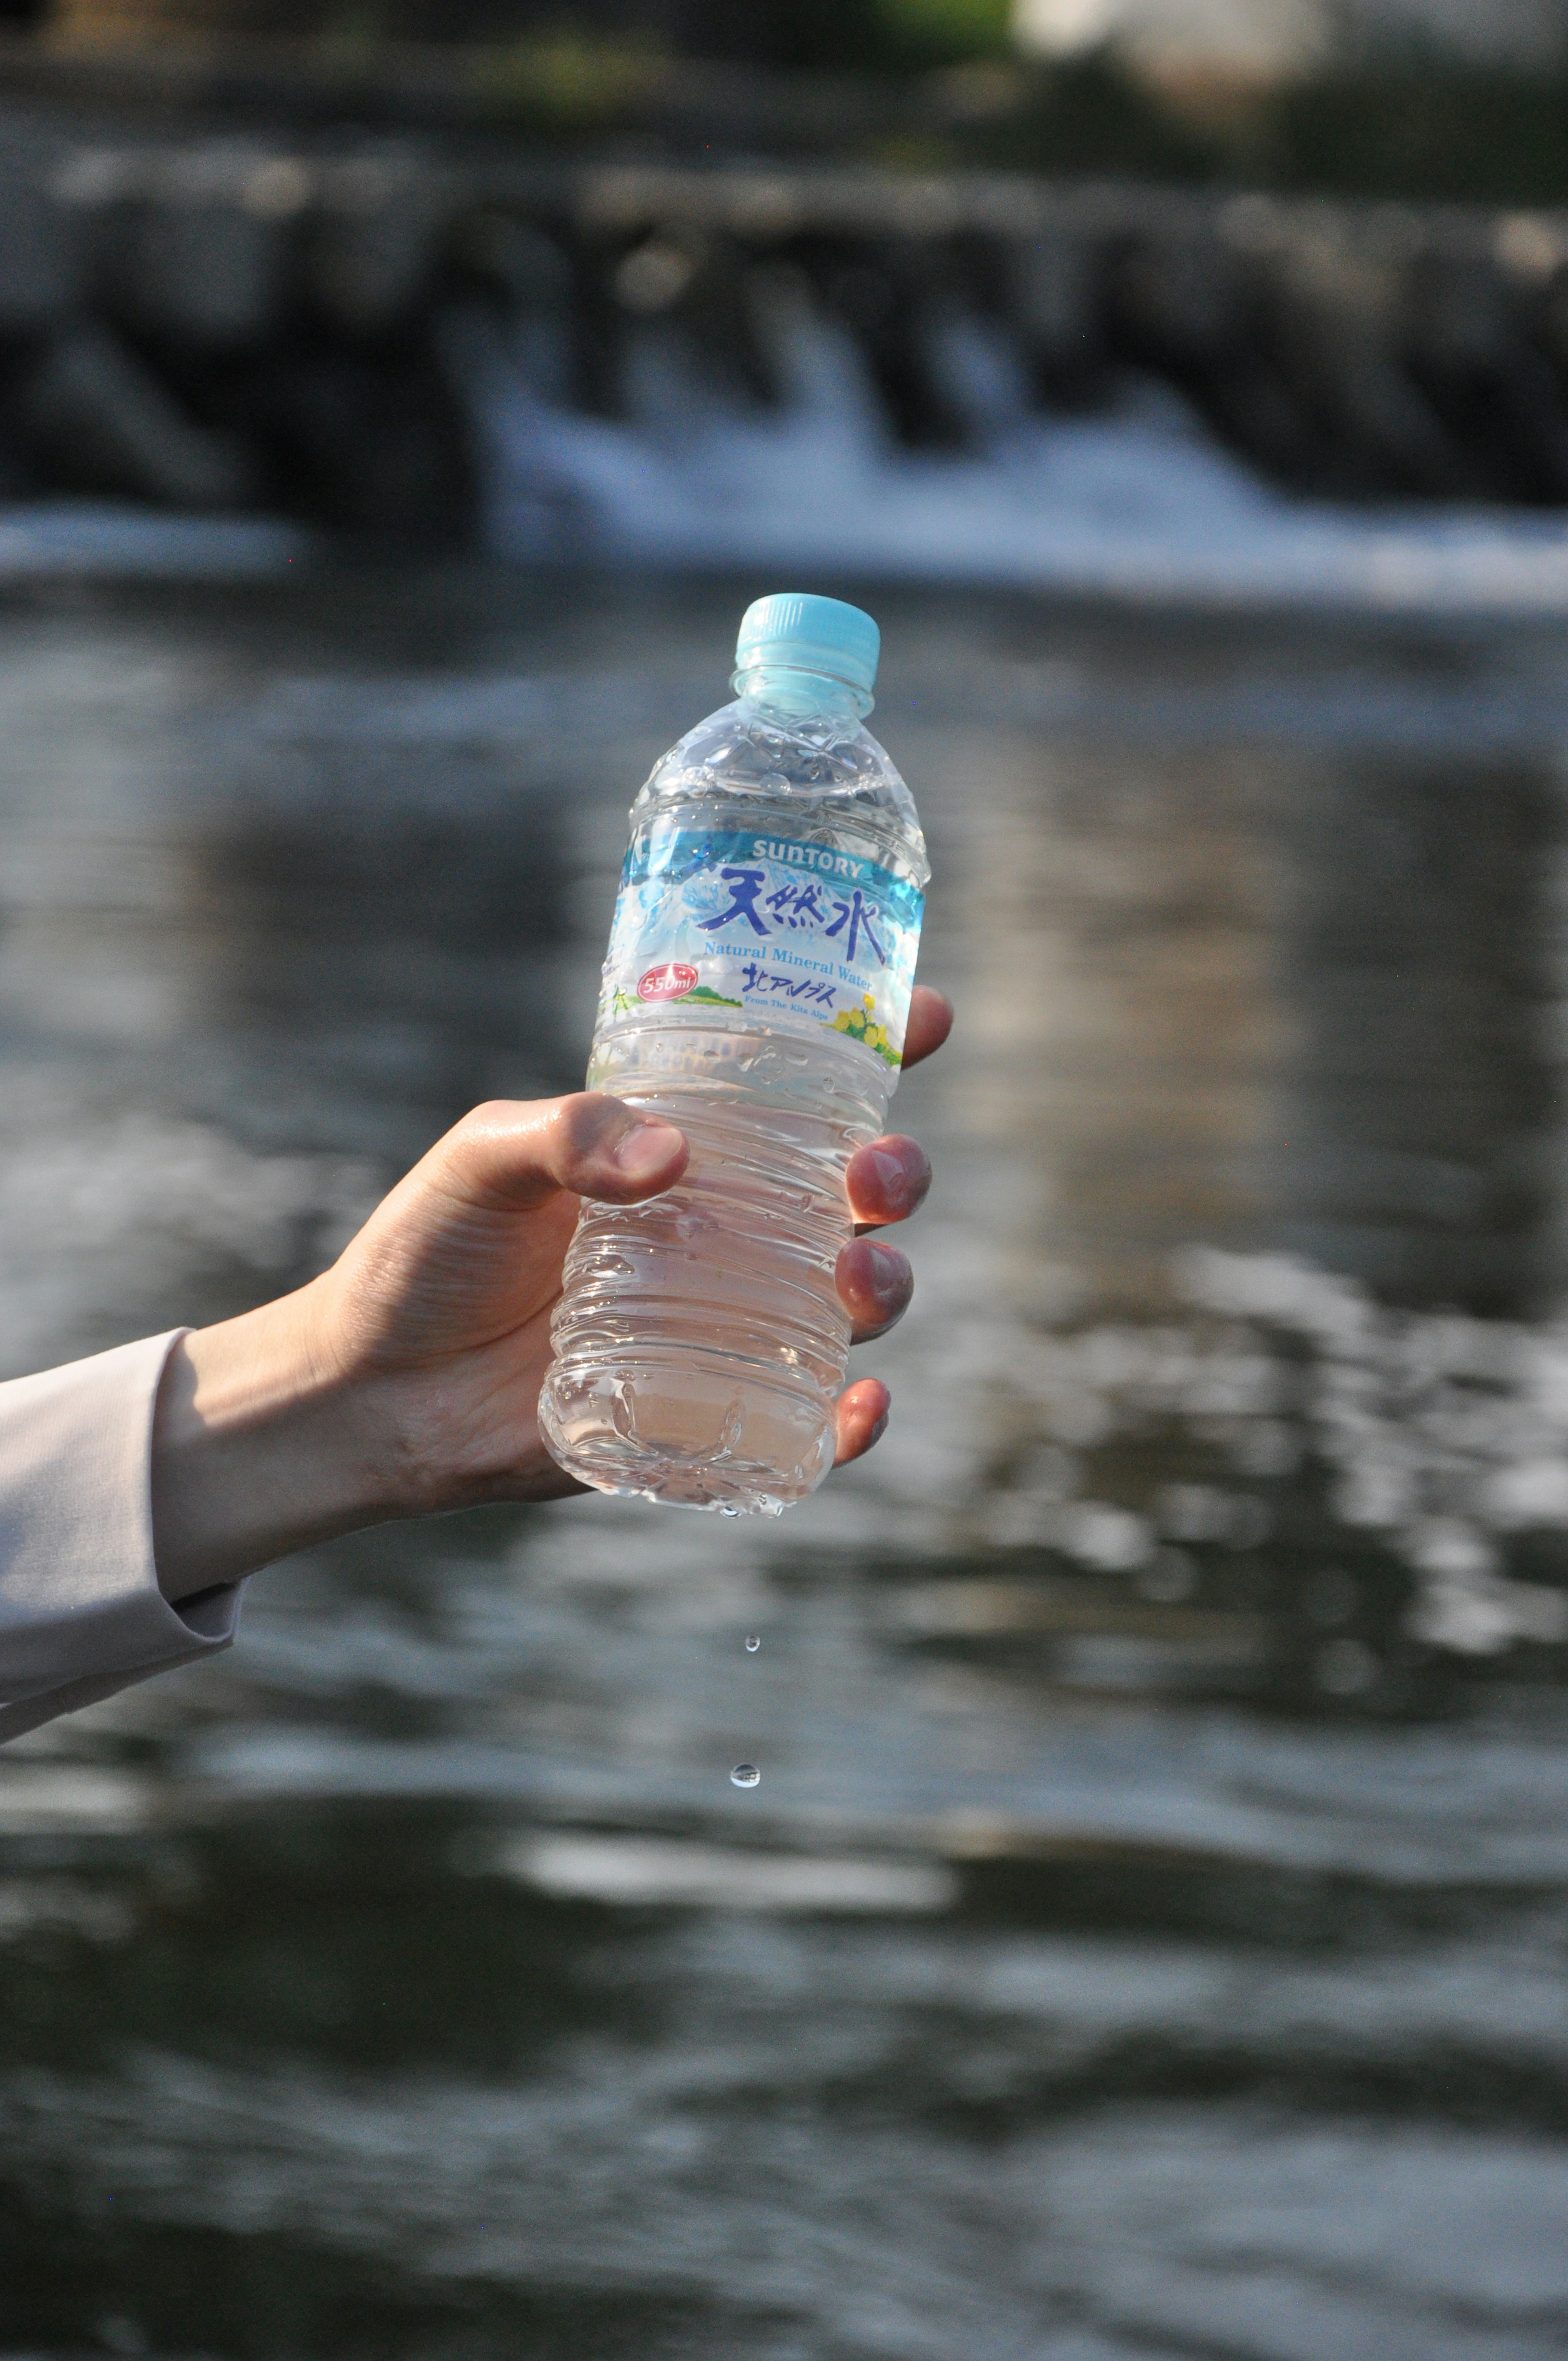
x: 699, y: 1339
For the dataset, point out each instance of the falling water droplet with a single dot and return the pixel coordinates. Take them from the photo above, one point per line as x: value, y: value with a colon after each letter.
x: 753, y: 1643
x: 745, y: 1775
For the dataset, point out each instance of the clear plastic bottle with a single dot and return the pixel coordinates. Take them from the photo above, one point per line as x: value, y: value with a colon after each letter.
x: 755, y: 994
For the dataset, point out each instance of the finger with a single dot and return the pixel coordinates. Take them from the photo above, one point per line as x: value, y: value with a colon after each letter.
x: 930, y: 1023
x: 874, y: 1284
x: 862, y: 1412
x: 887, y: 1180
x: 512, y: 1154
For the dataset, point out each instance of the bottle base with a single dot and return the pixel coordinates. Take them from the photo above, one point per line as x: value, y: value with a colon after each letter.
x: 688, y: 1432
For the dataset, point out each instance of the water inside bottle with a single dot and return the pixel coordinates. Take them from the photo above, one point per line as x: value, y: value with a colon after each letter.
x: 755, y: 994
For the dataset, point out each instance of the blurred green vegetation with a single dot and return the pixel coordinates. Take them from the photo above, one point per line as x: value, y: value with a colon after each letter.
x: 1401, y: 120
x: 1422, y: 125
x: 880, y: 37
x: 884, y: 37
x: 1429, y: 127
x: 1426, y: 128
x: 566, y: 84
x: 943, y: 87
x: 1090, y: 114
x: 926, y: 33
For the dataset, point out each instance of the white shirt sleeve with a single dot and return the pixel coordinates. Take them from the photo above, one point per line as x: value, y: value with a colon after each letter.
x: 81, y: 1611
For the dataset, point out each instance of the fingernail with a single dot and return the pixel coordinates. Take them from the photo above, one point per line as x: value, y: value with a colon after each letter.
x: 880, y: 1428
x: 889, y: 1274
x: 895, y: 1180
x: 645, y: 1150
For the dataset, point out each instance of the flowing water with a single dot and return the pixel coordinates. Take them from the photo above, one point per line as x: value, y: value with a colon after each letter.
x: 1136, y: 503
x: 1147, y: 1936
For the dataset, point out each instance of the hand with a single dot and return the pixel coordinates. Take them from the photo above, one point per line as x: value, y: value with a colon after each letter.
x: 406, y: 1378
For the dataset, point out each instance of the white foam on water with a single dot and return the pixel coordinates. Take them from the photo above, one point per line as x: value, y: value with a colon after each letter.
x: 1140, y: 505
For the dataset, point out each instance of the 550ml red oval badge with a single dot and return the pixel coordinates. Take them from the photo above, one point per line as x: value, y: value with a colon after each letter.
x: 666, y: 982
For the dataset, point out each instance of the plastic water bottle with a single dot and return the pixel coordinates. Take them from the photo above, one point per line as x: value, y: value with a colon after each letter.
x: 755, y: 994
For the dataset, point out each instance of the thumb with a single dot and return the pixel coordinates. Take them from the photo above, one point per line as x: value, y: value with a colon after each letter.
x: 512, y: 1154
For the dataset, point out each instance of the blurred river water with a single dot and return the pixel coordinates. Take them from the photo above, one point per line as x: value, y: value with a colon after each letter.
x: 1147, y: 1935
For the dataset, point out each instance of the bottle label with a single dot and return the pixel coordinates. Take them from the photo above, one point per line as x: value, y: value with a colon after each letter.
x: 796, y: 935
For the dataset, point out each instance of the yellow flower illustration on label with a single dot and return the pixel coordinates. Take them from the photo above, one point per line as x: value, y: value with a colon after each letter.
x: 861, y: 1024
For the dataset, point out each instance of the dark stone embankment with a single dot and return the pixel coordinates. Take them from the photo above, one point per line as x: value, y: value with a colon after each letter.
x: 228, y: 322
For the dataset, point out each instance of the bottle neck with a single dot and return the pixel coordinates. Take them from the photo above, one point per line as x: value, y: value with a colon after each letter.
x: 792, y: 691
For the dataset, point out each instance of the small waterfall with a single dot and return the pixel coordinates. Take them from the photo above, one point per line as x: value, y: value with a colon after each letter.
x: 1139, y: 501
x: 1100, y: 390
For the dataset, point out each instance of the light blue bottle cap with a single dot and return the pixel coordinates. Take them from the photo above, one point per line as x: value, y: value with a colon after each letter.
x: 819, y: 634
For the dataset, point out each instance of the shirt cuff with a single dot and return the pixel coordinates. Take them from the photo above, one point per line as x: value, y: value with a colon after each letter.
x: 81, y: 1611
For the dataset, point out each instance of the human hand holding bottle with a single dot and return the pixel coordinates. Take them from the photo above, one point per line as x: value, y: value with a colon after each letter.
x: 405, y: 1379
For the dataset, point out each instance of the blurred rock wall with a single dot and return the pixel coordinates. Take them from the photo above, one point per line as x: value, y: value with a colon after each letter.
x: 237, y: 323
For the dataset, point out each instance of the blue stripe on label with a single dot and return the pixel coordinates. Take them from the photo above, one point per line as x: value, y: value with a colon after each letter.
x: 681, y: 852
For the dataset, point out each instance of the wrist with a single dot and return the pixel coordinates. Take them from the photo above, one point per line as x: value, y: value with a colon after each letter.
x: 261, y: 1444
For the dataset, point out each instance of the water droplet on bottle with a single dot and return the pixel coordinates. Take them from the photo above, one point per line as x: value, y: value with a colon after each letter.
x: 753, y: 1643
x: 745, y: 1775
